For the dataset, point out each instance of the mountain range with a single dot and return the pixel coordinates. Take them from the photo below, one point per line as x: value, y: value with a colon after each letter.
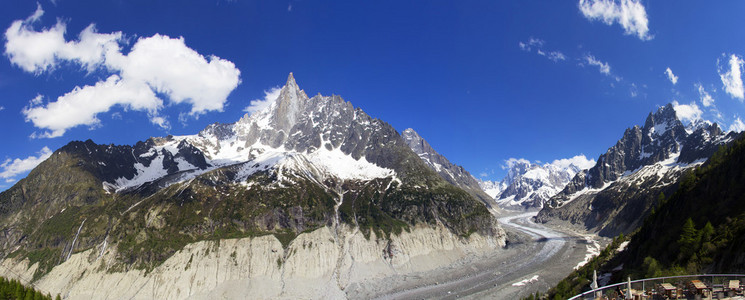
x: 529, y: 185
x: 306, y: 189
x: 617, y: 193
x: 308, y: 197
x: 699, y: 229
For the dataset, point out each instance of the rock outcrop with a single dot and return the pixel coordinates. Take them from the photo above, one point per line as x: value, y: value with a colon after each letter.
x: 452, y: 173
x: 318, y: 264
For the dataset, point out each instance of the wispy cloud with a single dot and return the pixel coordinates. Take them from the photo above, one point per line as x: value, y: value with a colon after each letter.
x: 259, y: 104
x: 705, y: 97
x: 13, y: 167
x: 552, y: 55
x: 737, y: 125
x: 155, y: 66
x: 671, y: 76
x: 603, y: 67
x: 579, y: 161
x: 537, y: 45
x: 731, y: 76
x: 630, y: 14
x: 634, y: 90
x: 530, y: 44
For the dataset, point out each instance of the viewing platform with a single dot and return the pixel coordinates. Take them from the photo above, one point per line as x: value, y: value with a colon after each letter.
x: 699, y: 287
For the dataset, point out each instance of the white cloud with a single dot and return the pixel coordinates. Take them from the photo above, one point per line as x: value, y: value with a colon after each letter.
x: 289, y: 7
x: 483, y: 174
x: 2, y: 108
x: 537, y: 44
x: 634, y: 90
x: 40, y: 51
x: 630, y: 14
x: 37, y: 14
x: 156, y: 65
x: 706, y: 98
x: 603, y: 67
x: 531, y: 43
x: 556, y: 56
x: 38, y: 100
x: 81, y: 105
x: 731, y: 77
x: 168, y: 66
x: 12, y: 167
x: 511, y: 162
x: 553, y: 55
x: 687, y: 112
x: 737, y: 125
x: 259, y: 104
x: 671, y: 76
x: 579, y: 161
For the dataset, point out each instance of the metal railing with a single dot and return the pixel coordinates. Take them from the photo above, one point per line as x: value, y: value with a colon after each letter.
x: 709, y: 279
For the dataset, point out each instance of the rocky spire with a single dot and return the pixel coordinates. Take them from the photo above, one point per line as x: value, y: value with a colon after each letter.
x: 416, y: 142
x: 289, y: 105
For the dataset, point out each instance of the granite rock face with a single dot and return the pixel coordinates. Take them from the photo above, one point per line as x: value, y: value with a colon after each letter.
x: 614, y: 195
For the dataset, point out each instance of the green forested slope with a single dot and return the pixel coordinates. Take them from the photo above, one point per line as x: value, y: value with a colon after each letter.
x: 699, y: 229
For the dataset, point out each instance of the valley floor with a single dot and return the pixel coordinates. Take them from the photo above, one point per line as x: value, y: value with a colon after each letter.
x: 536, y: 258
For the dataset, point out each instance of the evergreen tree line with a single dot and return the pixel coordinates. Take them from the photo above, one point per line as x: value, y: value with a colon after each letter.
x: 13, y: 289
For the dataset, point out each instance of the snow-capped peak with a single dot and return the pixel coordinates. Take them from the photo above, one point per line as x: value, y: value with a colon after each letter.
x: 529, y: 185
x: 292, y: 132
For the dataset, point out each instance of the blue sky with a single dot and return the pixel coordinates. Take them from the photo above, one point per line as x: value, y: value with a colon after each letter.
x: 482, y: 81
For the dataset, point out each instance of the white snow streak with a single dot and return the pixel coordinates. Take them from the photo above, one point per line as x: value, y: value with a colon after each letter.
x: 526, y: 281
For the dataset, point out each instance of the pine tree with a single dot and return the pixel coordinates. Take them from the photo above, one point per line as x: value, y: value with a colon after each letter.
x: 707, y: 233
x: 688, y: 239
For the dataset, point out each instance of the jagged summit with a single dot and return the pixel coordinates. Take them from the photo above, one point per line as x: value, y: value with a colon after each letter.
x: 288, y: 105
x: 662, y: 136
x: 615, y: 194
x: 665, y: 115
x: 529, y: 185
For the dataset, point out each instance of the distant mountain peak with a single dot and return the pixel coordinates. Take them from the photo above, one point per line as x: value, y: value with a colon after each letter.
x: 528, y: 185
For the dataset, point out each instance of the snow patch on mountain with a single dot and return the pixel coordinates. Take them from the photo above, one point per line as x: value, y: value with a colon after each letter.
x: 529, y: 184
x: 342, y: 166
x: 245, y: 143
x: 492, y: 188
x: 154, y: 169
